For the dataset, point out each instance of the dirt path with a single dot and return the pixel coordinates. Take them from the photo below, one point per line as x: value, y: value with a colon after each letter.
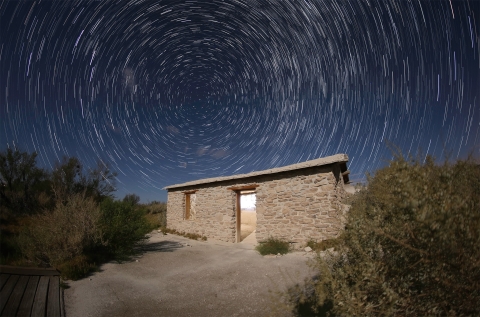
x: 172, y: 278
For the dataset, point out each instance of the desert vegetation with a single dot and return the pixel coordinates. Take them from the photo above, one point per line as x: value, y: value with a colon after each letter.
x: 193, y: 236
x: 156, y: 214
x: 273, y: 246
x: 411, y: 246
x: 67, y: 218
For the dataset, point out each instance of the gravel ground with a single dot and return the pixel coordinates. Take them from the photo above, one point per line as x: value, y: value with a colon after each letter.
x: 176, y: 276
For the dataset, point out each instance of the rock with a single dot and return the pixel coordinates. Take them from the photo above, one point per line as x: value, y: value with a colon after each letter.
x: 308, y: 249
x: 278, y: 254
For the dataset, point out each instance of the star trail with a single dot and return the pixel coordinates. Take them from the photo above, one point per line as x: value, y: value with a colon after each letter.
x: 171, y: 91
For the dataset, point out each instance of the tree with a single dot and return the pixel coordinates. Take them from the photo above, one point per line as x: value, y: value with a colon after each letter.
x: 68, y: 178
x: 21, y: 183
x: 101, y: 182
x: 132, y: 199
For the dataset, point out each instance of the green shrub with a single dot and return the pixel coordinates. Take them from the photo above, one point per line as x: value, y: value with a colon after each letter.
x: 273, y: 246
x: 411, y: 246
x: 123, y: 226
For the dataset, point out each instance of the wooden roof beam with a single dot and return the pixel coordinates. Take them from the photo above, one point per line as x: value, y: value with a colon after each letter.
x: 246, y: 187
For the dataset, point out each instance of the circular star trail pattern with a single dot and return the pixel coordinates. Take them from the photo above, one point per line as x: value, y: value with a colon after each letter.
x: 171, y: 91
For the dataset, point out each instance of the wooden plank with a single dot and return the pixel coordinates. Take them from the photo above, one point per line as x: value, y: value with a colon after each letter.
x: 3, y: 279
x: 238, y: 213
x: 246, y: 187
x: 27, y: 300
x: 15, y: 297
x: 40, y: 301
x: 62, y: 304
x: 190, y: 191
x: 187, y: 206
x: 7, y: 290
x: 18, y: 270
x: 53, y: 302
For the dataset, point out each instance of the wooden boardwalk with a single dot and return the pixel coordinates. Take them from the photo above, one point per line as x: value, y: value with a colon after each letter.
x: 30, y: 292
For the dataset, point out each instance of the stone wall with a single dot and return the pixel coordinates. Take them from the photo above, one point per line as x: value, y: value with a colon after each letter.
x: 214, y: 213
x: 296, y: 206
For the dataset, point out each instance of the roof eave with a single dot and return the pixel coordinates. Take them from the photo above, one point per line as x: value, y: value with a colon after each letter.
x: 338, y: 158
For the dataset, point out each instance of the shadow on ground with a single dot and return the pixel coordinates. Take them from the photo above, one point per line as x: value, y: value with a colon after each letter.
x: 162, y: 246
x: 303, y: 300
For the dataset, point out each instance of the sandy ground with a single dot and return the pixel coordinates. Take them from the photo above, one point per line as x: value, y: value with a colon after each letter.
x: 176, y: 276
x: 248, y: 225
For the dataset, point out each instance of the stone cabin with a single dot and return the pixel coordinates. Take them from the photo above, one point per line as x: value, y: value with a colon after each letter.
x: 296, y: 203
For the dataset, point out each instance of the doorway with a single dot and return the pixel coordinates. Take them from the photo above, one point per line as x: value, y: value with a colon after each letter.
x: 247, y: 215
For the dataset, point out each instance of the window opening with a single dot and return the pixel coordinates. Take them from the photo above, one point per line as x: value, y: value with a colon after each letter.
x: 190, y: 199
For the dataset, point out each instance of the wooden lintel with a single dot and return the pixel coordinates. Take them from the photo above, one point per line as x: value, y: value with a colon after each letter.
x: 190, y: 192
x: 246, y: 187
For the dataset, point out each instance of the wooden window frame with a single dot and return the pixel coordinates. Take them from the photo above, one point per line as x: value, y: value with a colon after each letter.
x: 187, y: 203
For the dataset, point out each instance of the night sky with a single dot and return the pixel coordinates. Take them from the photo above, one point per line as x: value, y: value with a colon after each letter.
x: 171, y: 91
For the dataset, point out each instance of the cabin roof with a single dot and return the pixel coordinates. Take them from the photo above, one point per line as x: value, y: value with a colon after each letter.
x: 337, y: 158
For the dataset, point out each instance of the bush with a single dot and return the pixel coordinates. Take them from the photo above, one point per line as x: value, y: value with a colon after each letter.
x: 79, y: 234
x: 273, y: 246
x: 411, y: 244
x: 133, y: 199
x: 68, y: 231
x: 77, y: 267
x: 123, y: 226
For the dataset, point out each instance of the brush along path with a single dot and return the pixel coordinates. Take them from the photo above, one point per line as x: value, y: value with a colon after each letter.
x: 181, y: 277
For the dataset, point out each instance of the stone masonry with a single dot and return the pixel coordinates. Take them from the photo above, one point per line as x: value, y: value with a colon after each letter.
x: 294, y: 204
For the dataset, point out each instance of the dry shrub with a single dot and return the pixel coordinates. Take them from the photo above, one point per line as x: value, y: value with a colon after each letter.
x: 322, y: 245
x: 411, y: 244
x: 157, y: 214
x: 157, y: 208
x: 65, y: 233
x: 155, y: 220
x: 77, y: 267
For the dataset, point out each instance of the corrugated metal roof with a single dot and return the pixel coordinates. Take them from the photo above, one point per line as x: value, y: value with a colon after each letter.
x: 317, y: 162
